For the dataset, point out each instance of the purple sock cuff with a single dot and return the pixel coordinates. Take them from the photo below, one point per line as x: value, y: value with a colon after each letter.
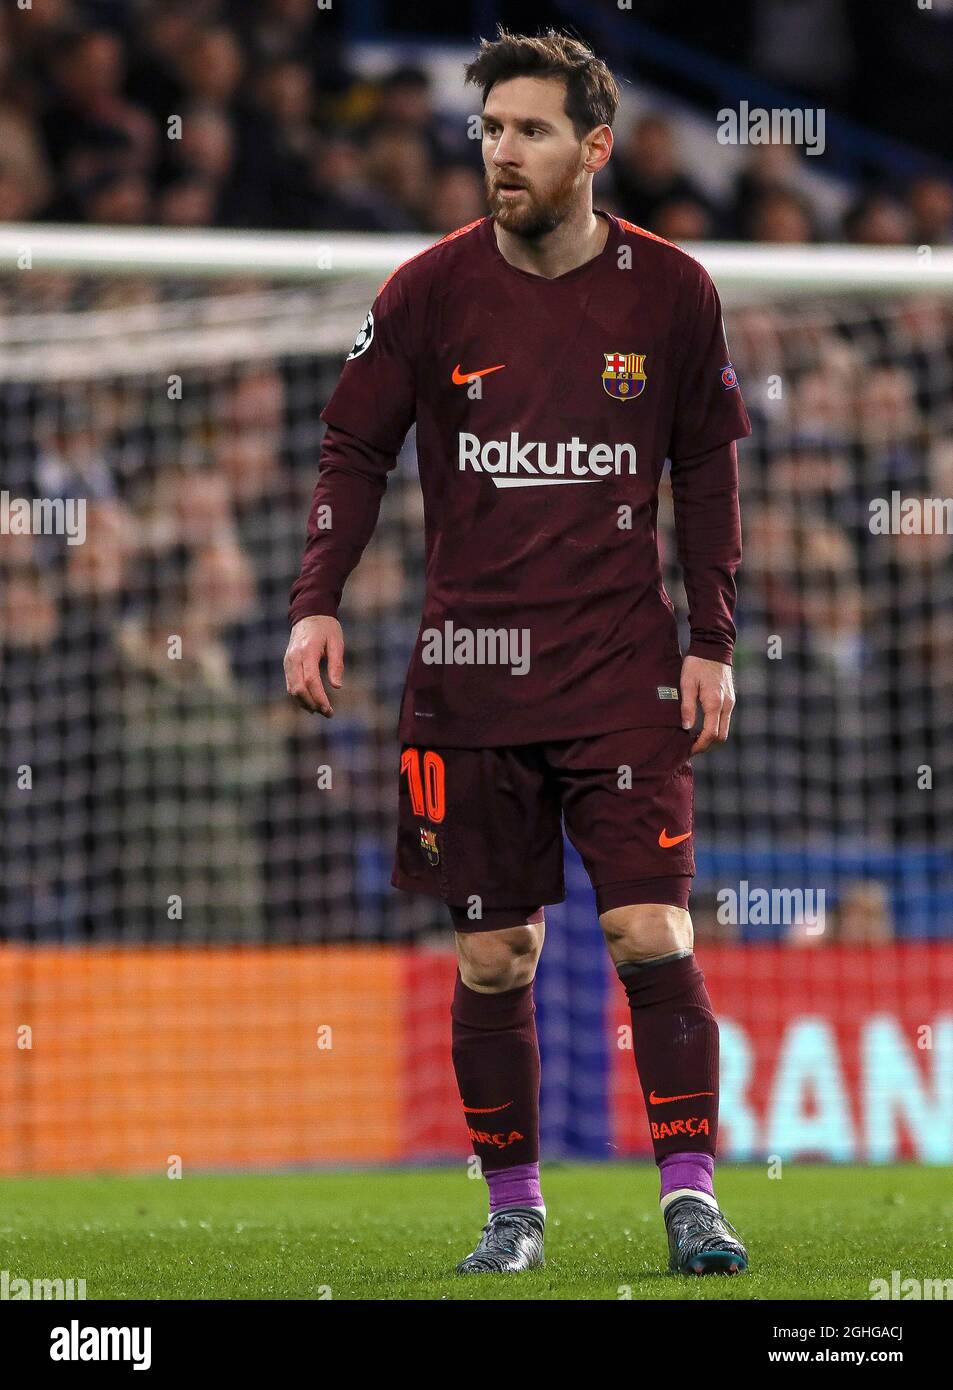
x: 694, y: 1170
x: 514, y: 1187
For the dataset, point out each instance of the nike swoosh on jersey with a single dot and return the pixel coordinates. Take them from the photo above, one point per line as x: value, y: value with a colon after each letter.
x: 461, y: 378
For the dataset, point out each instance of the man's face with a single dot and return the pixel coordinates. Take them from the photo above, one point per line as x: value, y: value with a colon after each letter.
x: 534, y: 163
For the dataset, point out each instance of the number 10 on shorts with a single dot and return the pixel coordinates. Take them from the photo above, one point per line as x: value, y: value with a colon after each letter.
x: 427, y: 787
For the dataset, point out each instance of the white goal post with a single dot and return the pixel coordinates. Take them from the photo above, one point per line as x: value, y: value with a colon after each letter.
x: 305, y: 255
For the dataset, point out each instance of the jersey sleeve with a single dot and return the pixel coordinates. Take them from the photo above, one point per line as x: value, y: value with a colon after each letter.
x: 375, y: 397
x: 367, y: 416
x: 709, y: 410
x: 352, y: 477
x: 708, y: 533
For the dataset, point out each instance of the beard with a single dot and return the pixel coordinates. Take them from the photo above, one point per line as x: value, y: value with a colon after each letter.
x: 533, y: 215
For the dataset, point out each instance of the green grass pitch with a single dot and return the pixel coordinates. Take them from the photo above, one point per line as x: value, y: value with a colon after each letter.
x: 815, y: 1233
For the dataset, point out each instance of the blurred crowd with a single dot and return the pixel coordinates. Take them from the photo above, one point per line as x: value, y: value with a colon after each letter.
x: 201, y: 113
x: 173, y: 787
x: 158, y: 782
x: 842, y: 734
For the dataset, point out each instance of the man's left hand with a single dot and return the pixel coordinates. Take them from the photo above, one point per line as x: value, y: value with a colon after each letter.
x: 709, y: 683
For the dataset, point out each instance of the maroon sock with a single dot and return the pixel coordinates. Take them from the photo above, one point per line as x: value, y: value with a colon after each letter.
x: 496, y: 1059
x: 675, y: 1038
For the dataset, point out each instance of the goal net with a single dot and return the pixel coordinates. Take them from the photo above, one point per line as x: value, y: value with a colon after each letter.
x: 197, y: 916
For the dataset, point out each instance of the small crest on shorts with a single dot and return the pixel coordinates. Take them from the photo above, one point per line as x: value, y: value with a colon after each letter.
x: 666, y: 692
x: 429, y: 846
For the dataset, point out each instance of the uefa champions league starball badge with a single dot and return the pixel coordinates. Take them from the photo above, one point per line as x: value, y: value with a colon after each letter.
x: 364, y: 338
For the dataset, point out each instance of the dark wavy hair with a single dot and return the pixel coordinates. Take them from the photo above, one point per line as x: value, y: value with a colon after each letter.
x: 592, y: 94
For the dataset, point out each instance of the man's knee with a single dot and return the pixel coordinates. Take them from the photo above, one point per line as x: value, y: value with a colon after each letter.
x: 492, y: 961
x: 646, y: 931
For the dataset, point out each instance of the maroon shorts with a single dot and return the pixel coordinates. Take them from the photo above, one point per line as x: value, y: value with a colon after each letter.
x: 481, y: 828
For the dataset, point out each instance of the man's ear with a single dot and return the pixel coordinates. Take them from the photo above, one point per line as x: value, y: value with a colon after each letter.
x: 599, y: 149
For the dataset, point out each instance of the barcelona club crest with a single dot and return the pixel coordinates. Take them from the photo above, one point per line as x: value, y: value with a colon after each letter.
x: 624, y: 375
x: 428, y: 843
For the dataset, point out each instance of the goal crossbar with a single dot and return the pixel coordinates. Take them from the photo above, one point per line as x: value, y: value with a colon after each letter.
x: 305, y: 256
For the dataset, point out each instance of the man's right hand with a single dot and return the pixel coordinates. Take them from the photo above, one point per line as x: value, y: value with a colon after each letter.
x: 313, y: 640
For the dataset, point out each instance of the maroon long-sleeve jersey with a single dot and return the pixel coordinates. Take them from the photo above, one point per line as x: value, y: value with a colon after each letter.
x: 545, y: 411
